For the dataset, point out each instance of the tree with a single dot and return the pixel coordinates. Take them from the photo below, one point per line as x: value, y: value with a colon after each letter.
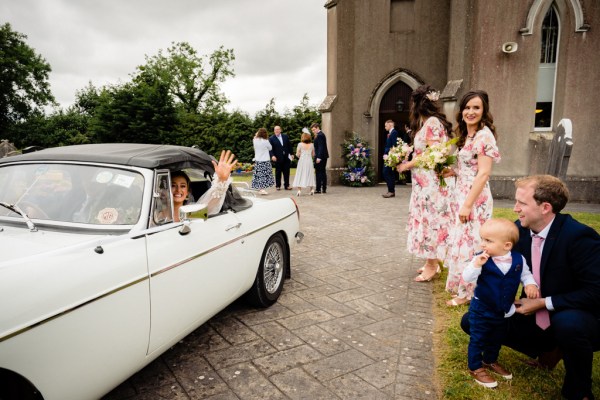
x: 192, y: 80
x: 61, y: 128
x: 135, y: 112
x: 268, y: 117
x: 301, y: 116
x: 24, y: 86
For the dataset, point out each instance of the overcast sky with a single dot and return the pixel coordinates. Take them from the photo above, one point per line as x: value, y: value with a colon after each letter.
x: 279, y: 45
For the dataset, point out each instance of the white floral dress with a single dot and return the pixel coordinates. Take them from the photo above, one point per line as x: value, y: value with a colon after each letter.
x: 429, y: 213
x: 465, y: 237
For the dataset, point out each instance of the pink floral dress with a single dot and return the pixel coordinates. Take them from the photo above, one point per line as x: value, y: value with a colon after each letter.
x: 429, y: 213
x: 465, y: 237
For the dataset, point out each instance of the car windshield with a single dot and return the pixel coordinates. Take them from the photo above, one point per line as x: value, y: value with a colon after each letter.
x: 72, y: 193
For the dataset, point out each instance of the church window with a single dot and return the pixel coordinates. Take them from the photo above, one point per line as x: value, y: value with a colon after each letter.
x: 547, y: 70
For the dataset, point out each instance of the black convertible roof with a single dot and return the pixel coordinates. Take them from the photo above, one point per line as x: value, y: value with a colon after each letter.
x: 133, y: 154
x: 137, y: 155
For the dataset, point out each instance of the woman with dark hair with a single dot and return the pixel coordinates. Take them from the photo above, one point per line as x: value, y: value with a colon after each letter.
x: 180, y: 188
x: 214, y: 196
x: 477, y: 151
x: 429, y: 213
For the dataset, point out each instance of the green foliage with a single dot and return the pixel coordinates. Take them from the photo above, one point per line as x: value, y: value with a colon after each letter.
x: 138, y: 112
x: 174, y: 98
x: 62, y: 128
x: 192, y: 80
x: 24, y: 86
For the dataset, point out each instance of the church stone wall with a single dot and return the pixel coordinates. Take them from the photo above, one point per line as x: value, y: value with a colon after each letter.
x: 460, y: 41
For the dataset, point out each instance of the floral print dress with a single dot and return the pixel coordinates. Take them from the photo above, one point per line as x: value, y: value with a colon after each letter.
x: 429, y: 213
x: 465, y: 237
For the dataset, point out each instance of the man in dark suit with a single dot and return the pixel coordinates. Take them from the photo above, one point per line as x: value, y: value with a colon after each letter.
x: 321, y: 156
x: 282, y: 156
x: 389, y: 173
x: 565, y: 320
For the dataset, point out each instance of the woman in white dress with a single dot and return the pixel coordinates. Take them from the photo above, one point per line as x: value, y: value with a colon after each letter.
x: 305, y: 171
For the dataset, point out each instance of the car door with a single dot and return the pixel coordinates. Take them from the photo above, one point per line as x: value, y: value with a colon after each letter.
x: 193, y: 276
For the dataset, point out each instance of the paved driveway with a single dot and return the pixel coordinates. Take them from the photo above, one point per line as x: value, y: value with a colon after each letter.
x: 350, y: 324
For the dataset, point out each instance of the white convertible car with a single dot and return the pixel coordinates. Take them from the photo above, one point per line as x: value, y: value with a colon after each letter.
x: 96, y: 278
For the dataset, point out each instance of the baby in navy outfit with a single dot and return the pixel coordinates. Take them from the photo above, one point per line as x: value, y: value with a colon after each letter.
x: 498, y: 272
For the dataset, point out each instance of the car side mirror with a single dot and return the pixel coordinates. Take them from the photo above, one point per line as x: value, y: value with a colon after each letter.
x: 187, y: 212
x: 193, y: 211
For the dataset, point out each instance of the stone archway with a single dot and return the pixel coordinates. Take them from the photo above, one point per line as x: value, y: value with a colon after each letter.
x: 399, y: 83
x: 395, y: 106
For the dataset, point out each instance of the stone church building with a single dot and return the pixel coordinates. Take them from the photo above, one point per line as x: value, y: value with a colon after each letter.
x: 539, y: 61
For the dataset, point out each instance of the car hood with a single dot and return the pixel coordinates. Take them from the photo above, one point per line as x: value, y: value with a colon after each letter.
x: 21, y: 243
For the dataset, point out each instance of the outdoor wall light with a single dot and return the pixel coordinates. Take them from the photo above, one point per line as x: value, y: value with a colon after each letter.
x: 400, y: 105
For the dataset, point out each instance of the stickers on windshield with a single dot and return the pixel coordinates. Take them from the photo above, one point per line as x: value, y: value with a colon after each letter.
x: 108, y: 215
x: 104, y: 177
x: 124, y: 180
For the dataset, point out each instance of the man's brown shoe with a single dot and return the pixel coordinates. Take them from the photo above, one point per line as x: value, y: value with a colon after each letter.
x: 388, y: 195
x: 498, y: 369
x: 483, y: 378
x: 546, y: 360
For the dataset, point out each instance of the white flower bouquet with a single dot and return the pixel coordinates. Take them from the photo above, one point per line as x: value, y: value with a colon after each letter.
x: 397, y: 155
x: 438, y: 157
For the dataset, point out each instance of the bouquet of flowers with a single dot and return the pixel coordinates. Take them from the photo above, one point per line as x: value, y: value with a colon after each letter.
x: 437, y: 157
x: 397, y: 155
x: 358, y: 171
x: 356, y: 177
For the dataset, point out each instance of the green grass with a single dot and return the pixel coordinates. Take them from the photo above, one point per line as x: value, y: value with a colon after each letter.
x: 451, y: 351
x: 589, y: 219
x: 247, y: 177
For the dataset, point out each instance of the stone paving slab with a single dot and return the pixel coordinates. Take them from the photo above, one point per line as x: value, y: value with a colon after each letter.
x: 350, y: 324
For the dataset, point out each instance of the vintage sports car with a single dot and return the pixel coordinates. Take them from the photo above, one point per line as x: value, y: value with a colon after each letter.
x: 96, y: 278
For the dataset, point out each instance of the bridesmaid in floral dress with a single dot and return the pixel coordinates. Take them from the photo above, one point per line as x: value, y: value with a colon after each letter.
x: 429, y: 214
x: 477, y: 151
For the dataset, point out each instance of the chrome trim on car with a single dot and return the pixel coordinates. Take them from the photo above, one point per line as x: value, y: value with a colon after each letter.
x: 135, y: 282
x: 241, y: 237
x: 272, y: 223
x: 67, y: 311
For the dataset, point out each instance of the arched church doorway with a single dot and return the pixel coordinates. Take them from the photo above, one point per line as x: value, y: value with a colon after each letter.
x: 395, y: 106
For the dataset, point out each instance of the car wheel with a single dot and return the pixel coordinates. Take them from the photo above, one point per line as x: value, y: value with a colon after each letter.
x: 268, y: 283
x: 15, y: 387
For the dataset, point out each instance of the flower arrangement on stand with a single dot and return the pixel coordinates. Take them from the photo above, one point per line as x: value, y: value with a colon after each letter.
x: 358, y: 171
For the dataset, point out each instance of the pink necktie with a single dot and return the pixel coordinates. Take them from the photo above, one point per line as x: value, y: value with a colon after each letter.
x: 542, y: 318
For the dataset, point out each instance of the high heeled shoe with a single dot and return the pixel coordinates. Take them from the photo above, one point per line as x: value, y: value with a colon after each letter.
x: 440, y: 265
x: 312, y: 192
x: 423, y: 278
x: 298, y: 193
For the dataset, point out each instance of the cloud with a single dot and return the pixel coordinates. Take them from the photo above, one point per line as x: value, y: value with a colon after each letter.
x: 279, y: 45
